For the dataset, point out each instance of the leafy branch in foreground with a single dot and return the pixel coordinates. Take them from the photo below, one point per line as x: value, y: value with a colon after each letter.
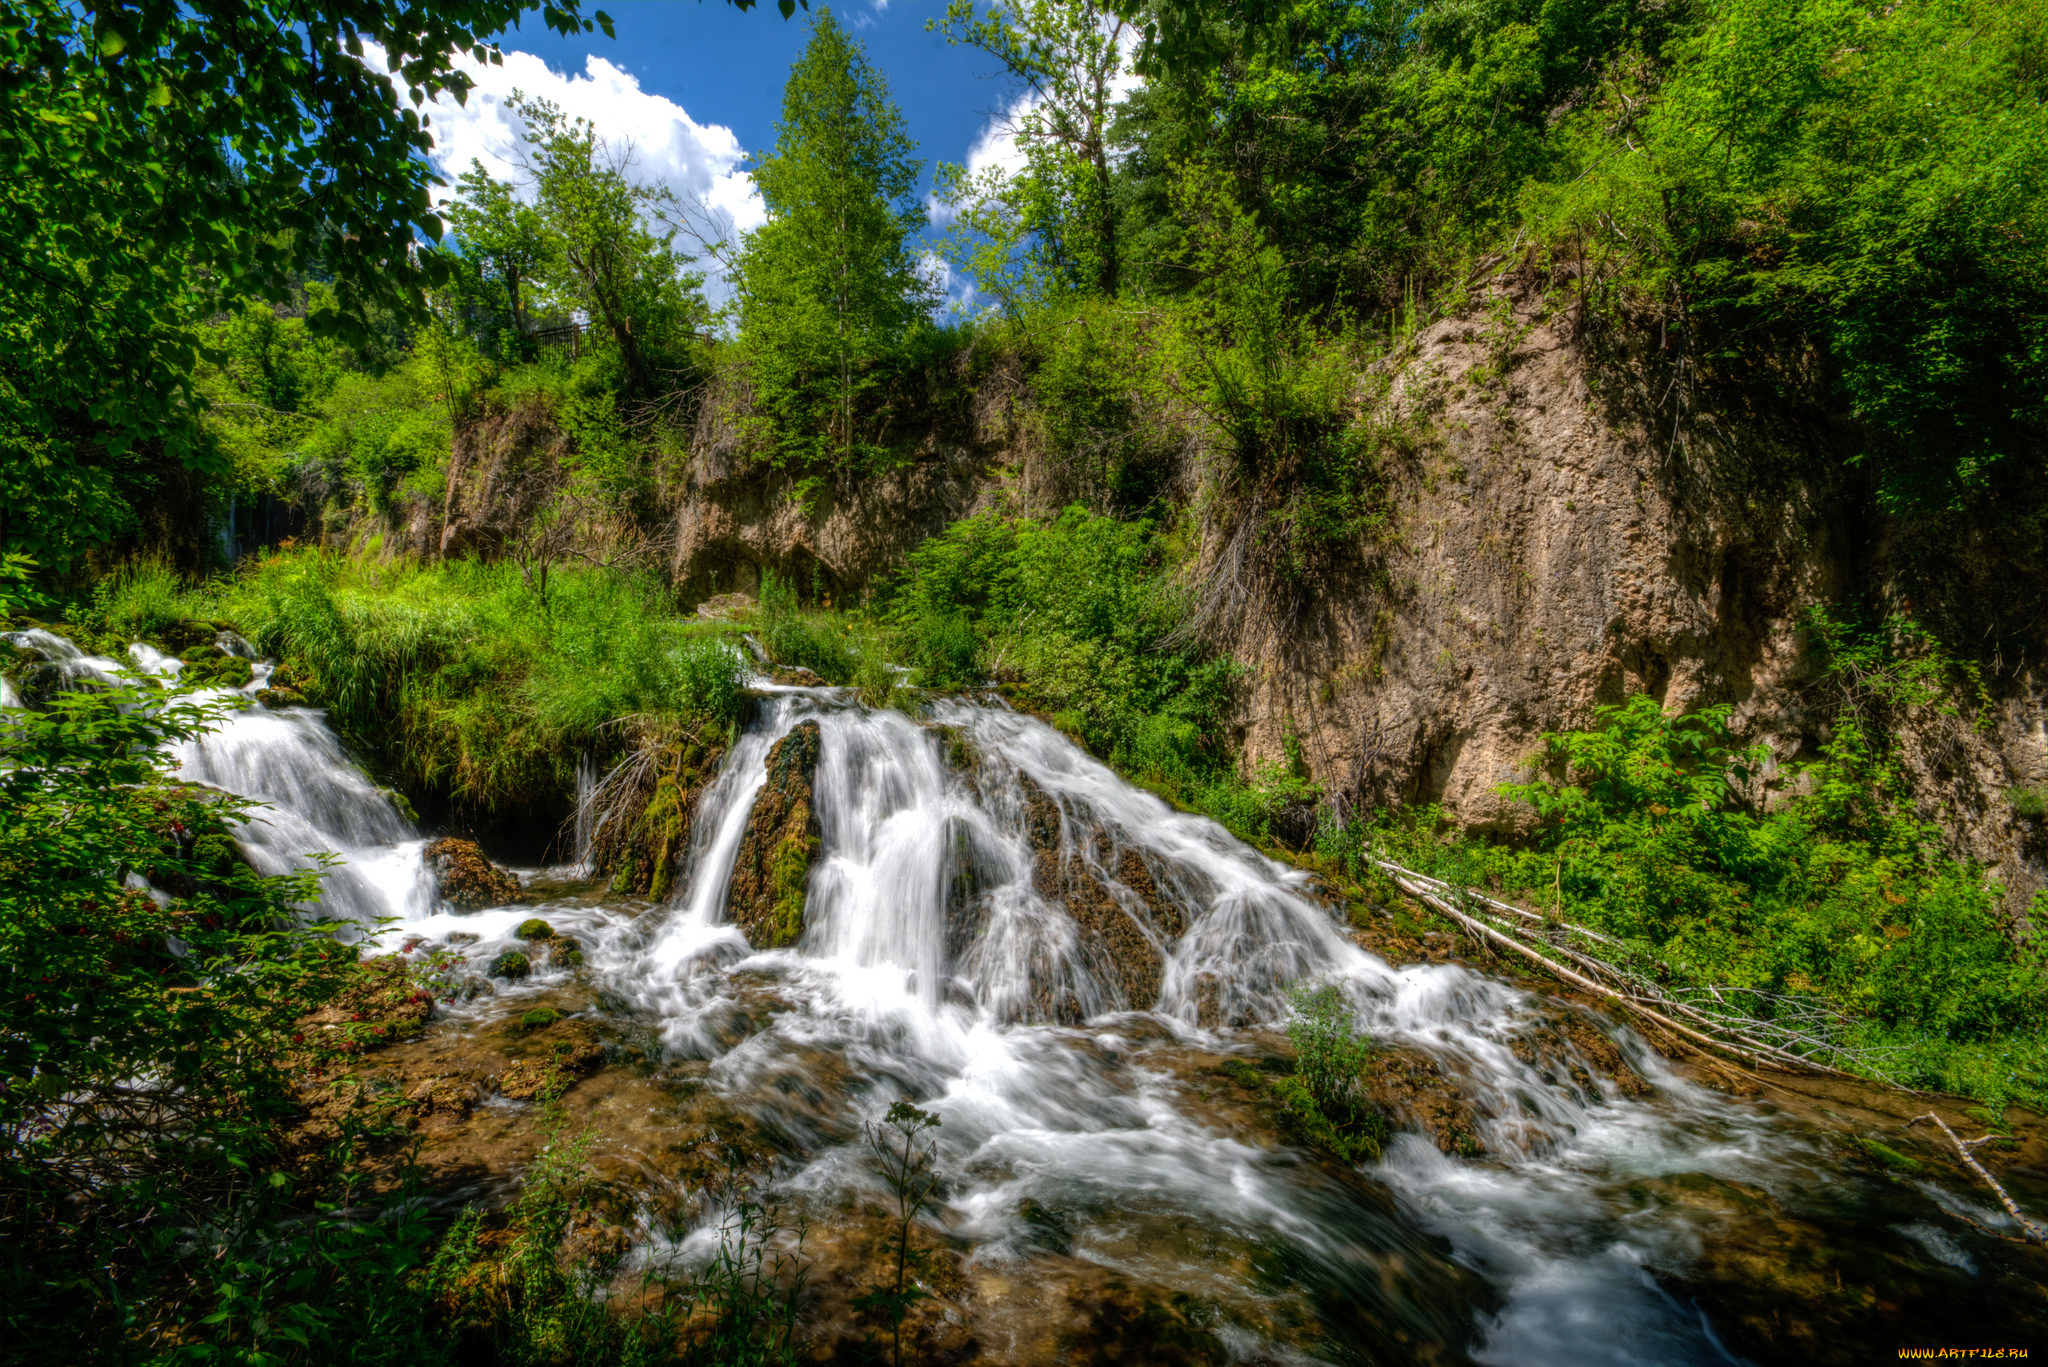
x: 150, y: 980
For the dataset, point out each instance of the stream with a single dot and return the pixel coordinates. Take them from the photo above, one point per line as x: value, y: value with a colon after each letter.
x: 1088, y: 1147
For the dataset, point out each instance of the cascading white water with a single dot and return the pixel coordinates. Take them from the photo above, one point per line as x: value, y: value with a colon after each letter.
x: 1574, y: 1221
x: 317, y: 802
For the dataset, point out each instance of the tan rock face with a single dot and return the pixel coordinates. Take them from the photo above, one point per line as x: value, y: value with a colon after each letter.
x: 772, y: 869
x: 1549, y: 552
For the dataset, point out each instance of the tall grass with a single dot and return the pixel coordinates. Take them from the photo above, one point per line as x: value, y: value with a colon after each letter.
x: 459, y: 680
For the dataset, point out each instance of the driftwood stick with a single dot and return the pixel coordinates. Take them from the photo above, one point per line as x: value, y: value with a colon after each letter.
x: 2033, y: 1232
x: 1790, y: 1063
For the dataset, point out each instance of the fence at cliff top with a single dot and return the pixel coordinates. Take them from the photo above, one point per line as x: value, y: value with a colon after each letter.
x: 1797, y: 1036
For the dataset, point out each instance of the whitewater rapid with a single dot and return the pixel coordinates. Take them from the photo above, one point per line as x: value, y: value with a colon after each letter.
x: 1570, y: 1225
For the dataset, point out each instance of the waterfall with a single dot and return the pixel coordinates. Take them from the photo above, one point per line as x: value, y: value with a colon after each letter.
x: 586, y: 812
x: 316, y: 800
x: 944, y: 959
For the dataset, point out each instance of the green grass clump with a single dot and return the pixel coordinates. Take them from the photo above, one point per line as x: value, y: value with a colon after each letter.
x: 138, y: 600
x: 460, y: 680
x: 1077, y: 618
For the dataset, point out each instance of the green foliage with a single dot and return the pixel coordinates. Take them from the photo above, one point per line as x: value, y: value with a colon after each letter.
x: 373, y: 434
x: 138, y: 600
x: 596, y: 242
x: 1053, y: 227
x: 1880, y: 671
x: 1871, y: 179
x: 1323, y: 1097
x: 159, y: 163
x: 1304, y: 480
x: 142, y: 1064
x: 1076, y: 618
x: 451, y: 683
x: 828, y: 295
x: 1837, y: 893
x: 1380, y: 146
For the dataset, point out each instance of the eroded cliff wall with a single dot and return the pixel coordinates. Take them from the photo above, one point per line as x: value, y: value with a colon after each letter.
x: 1561, y: 534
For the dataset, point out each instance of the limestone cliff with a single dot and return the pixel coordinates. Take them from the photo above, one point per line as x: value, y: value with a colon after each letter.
x: 1561, y: 533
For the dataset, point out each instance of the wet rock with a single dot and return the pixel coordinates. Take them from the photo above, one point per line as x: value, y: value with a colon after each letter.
x: 540, y: 1018
x: 277, y: 699
x: 796, y: 676
x: 773, y: 867
x: 510, y: 964
x: 382, y: 1005
x: 1123, y: 917
x: 1565, y: 1045
x: 207, y: 666
x: 533, y: 928
x: 443, y: 1096
x: 467, y: 879
x: 642, y: 830
x: 546, y: 1078
x: 564, y: 952
x: 725, y: 607
x: 1407, y: 1086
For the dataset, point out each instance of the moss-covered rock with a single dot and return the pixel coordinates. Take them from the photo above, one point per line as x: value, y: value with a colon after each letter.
x: 510, y: 964
x: 772, y: 871
x: 1111, y: 895
x: 533, y: 928
x: 540, y: 1018
x: 208, y: 666
x: 278, y: 698
x: 643, y: 831
x: 466, y: 878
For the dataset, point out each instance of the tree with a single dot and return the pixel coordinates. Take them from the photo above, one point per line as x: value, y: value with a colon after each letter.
x: 506, y: 237
x: 160, y: 161
x: 1067, y: 57
x: 828, y: 292
x: 606, y: 244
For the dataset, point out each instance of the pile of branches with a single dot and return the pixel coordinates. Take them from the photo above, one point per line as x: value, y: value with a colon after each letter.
x: 1757, y: 1028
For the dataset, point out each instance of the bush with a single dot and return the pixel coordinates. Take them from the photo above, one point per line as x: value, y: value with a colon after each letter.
x: 1838, y: 895
x: 144, y: 1059
x: 1323, y: 1095
x: 1077, y: 618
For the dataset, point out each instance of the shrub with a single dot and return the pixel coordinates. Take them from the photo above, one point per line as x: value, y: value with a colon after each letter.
x: 1077, y: 618
x: 1837, y: 896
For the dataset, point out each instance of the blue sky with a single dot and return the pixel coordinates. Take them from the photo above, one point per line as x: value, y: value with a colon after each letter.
x: 727, y: 67
x: 696, y: 89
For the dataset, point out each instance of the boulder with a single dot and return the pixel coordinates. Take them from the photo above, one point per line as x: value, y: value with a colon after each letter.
x: 533, y: 928
x: 773, y: 867
x: 467, y: 879
x: 510, y: 964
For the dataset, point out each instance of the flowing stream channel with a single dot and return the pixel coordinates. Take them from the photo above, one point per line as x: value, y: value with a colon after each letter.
x: 1593, y: 1227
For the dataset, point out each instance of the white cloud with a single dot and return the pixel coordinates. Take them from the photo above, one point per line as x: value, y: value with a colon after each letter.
x: 996, y: 144
x: 699, y: 161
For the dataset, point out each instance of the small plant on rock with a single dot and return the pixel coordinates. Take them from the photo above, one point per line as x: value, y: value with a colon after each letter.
x: 903, y: 1146
x: 1323, y: 1097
